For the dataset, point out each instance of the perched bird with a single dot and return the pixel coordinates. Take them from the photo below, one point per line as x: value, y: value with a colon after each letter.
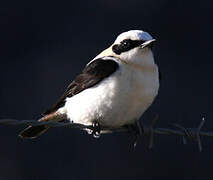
x: 113, y: 90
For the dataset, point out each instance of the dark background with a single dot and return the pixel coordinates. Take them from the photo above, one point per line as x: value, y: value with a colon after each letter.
x: 44, y: 45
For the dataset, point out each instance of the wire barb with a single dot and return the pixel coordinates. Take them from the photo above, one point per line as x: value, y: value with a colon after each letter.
x: 198, y: 134
x: 150, y: 131
x: 192, y: 133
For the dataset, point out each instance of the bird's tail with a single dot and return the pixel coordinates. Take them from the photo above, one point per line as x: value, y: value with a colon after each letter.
x: 32, y: 132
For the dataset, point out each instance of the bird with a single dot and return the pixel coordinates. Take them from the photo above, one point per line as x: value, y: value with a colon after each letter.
x: 113, y: 90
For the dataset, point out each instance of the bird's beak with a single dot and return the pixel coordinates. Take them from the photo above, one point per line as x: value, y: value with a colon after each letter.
x: 147, y: 43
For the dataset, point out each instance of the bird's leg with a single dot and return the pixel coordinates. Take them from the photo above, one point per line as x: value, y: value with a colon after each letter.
x: 137, y: 130
x: 140, y: 128
x: 96, y: 131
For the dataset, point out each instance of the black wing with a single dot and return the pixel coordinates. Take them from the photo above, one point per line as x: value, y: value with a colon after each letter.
x: 92, y: 74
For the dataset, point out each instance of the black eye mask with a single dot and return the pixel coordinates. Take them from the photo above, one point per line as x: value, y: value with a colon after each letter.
x: 126, y: 45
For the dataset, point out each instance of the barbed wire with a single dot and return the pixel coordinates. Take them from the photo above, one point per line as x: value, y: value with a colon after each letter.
x: 186, y: 133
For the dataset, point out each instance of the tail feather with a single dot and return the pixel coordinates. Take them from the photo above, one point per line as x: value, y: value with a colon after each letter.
x: 32, y: 132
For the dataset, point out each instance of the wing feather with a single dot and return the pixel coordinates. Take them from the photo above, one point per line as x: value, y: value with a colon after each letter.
x: 91, y: 75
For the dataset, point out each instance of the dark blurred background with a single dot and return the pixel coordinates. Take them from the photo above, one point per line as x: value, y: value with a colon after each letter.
x: 45, y: 44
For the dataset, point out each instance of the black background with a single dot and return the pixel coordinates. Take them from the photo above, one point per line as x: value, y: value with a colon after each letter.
x: 44, y: 45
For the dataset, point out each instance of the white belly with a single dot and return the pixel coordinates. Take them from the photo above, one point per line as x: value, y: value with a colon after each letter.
x: 118, y: 100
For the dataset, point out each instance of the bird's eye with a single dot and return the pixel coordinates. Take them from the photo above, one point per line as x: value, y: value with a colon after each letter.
x: 126, y: 43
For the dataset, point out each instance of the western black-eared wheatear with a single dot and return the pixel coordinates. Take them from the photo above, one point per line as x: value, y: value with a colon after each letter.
x: 113, y: 90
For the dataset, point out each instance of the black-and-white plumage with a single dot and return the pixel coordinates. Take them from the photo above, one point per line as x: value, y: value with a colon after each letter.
x: 92, y: 74
x: 113, y: 90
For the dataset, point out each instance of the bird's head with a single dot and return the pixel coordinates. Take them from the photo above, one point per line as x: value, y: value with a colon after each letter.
x: 134, y: 45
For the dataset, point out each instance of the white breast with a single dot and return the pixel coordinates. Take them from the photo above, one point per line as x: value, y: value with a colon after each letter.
x: 117, y: 100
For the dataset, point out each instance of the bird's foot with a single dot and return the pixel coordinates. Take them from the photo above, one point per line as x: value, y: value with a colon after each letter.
x: 96, y: 131
x: 136, y: 130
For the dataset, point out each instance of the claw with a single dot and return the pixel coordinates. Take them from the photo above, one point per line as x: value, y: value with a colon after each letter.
x: 96, y: 132
x: 137, y: 131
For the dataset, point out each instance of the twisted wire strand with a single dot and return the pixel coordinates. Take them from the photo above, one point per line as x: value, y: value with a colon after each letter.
x: 186, y: 133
